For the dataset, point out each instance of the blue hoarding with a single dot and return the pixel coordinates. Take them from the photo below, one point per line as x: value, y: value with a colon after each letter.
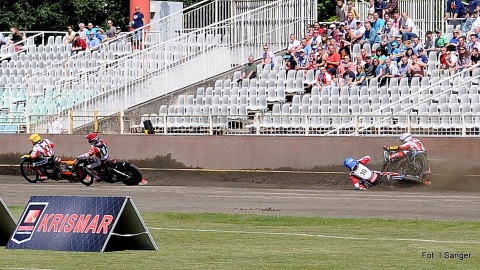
x: 71, y: 223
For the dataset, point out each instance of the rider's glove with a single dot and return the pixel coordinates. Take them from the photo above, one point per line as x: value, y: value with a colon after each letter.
x: 26, y: 156
x: 386, y: 147
x: 81, y: 157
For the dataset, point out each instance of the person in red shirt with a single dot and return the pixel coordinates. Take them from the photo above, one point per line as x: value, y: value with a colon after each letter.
x: 78, y: 44
x: 333, y: 60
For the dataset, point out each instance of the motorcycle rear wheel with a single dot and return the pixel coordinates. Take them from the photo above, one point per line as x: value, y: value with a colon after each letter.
x: 135, y: 175
x: 28, y: 172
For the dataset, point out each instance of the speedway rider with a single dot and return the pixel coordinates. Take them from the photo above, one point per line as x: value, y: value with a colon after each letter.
x: 42, y: 153
x: 360, y: 175
x: 98, y: 153
x: 408, y: 144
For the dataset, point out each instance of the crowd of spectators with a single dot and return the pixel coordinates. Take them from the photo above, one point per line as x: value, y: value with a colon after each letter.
x: 390, y: 45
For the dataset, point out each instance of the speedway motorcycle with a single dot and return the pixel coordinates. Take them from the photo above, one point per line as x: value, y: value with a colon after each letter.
x: 413, y: 163
x: 399, y: 179
x: 56, y: 170
x: 113, y: 171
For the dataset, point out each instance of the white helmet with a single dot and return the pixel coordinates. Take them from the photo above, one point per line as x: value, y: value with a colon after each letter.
x: 405, y: 137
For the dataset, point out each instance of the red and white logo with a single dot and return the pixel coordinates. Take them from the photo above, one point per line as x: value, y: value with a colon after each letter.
x: 29, y: 221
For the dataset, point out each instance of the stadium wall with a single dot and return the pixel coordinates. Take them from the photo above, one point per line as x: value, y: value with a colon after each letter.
x: 446, y: 155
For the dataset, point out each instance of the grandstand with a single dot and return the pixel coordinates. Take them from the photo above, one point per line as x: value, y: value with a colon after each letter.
x: 187, y: 84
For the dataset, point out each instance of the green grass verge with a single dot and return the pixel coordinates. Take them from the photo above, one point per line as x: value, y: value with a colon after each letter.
x: 227, y: 241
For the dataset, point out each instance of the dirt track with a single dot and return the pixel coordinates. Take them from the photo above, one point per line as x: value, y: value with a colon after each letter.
x: 297, y: 194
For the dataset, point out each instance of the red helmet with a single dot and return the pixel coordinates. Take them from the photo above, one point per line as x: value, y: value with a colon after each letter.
x: 92, y: 138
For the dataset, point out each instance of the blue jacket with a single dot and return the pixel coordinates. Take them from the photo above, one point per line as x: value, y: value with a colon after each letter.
x: 456, y: 6
x: 472, y: 5
x: 371, y: 36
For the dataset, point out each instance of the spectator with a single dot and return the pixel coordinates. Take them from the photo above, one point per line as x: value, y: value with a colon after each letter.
x: 378, y: 23
x: 371, y: 7
x: 390, y: 72
x: 443, y: 58
x: 468, y: 23
x: 358, y: 33
x: 359, y: 60
x: 408, y: 51
x: 78, y: 44
x: 304, y: 45
x: 351, y: 21
x: 456, y: 8
x: 441, y: 41
x: 390, y: 34
x: 95, y: 30
x: 69, y: 36
x: 293, y: 43
x: 388, y: 18
x: 268, y: 57
x: 473, y: 6
x: 451, y: 61
x: 352, y: 9
x: 396, y: 54
x: 453, y: 43
x: 15, y: 38
x: 403, y: 67
x: 316, y: 27
x: 361, y: 77
x: 378, y: 55
x: 380, y: 6
x: 333, y: 60
x: 348, y: 77
x: 321, y: 58
x: 309, y: 30
x: 3, y: 40
x: 370, y: 34
x: 462, y: 42
x: 82, y: 31
x: 93, y: 42
x: 249, y: 71
x: 422, y: 56
x: 463, y: 60
x: 346, y: 42
x: 397, y: 20
x: 308, y: 38
x: 334, y: 32
x: 302, y: 60
x: 339, y: 11
x: 391, y: 8
x: 346, y: 65
x: 416, y: 45
x: 408, y: 28
x: 291, y: 59
x: 474, y: 43
x: 371, y: 67
x: 111, y: 31
x: 474, y: 57
x: 316, y: 39
x: 416, y: 68
x: 363, y: 53
x: 429, y: 42
x: 325, y: 78
x: 137, y: 24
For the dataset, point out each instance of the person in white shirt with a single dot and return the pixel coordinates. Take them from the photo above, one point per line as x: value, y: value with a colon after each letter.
x: 407, y: 27
x: 293, y: 43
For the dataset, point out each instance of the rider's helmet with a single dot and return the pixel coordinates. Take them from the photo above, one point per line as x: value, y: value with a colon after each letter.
x: 35, y: 138
x: 405, y: 137
x: 92, y: 138
x: 350, y: 163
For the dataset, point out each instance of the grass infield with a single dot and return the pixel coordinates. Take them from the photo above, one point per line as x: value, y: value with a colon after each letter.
x: 228, y: 241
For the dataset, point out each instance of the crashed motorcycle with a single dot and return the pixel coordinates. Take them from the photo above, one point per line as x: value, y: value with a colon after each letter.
x: 56, y: 170
x: 413, y: 163
x: 112, y: 172
x: 399, y: 179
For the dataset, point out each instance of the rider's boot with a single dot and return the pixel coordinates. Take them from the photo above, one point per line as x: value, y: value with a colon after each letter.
x: 94, y: 174
x: 41, y: 176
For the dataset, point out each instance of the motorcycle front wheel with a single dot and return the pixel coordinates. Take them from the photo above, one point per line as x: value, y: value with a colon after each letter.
x: 419, y: 165
x: 28, y: 172
x: 81, y: 172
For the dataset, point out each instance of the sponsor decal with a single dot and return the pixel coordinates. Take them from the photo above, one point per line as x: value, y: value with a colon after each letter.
x: 29, y: 221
